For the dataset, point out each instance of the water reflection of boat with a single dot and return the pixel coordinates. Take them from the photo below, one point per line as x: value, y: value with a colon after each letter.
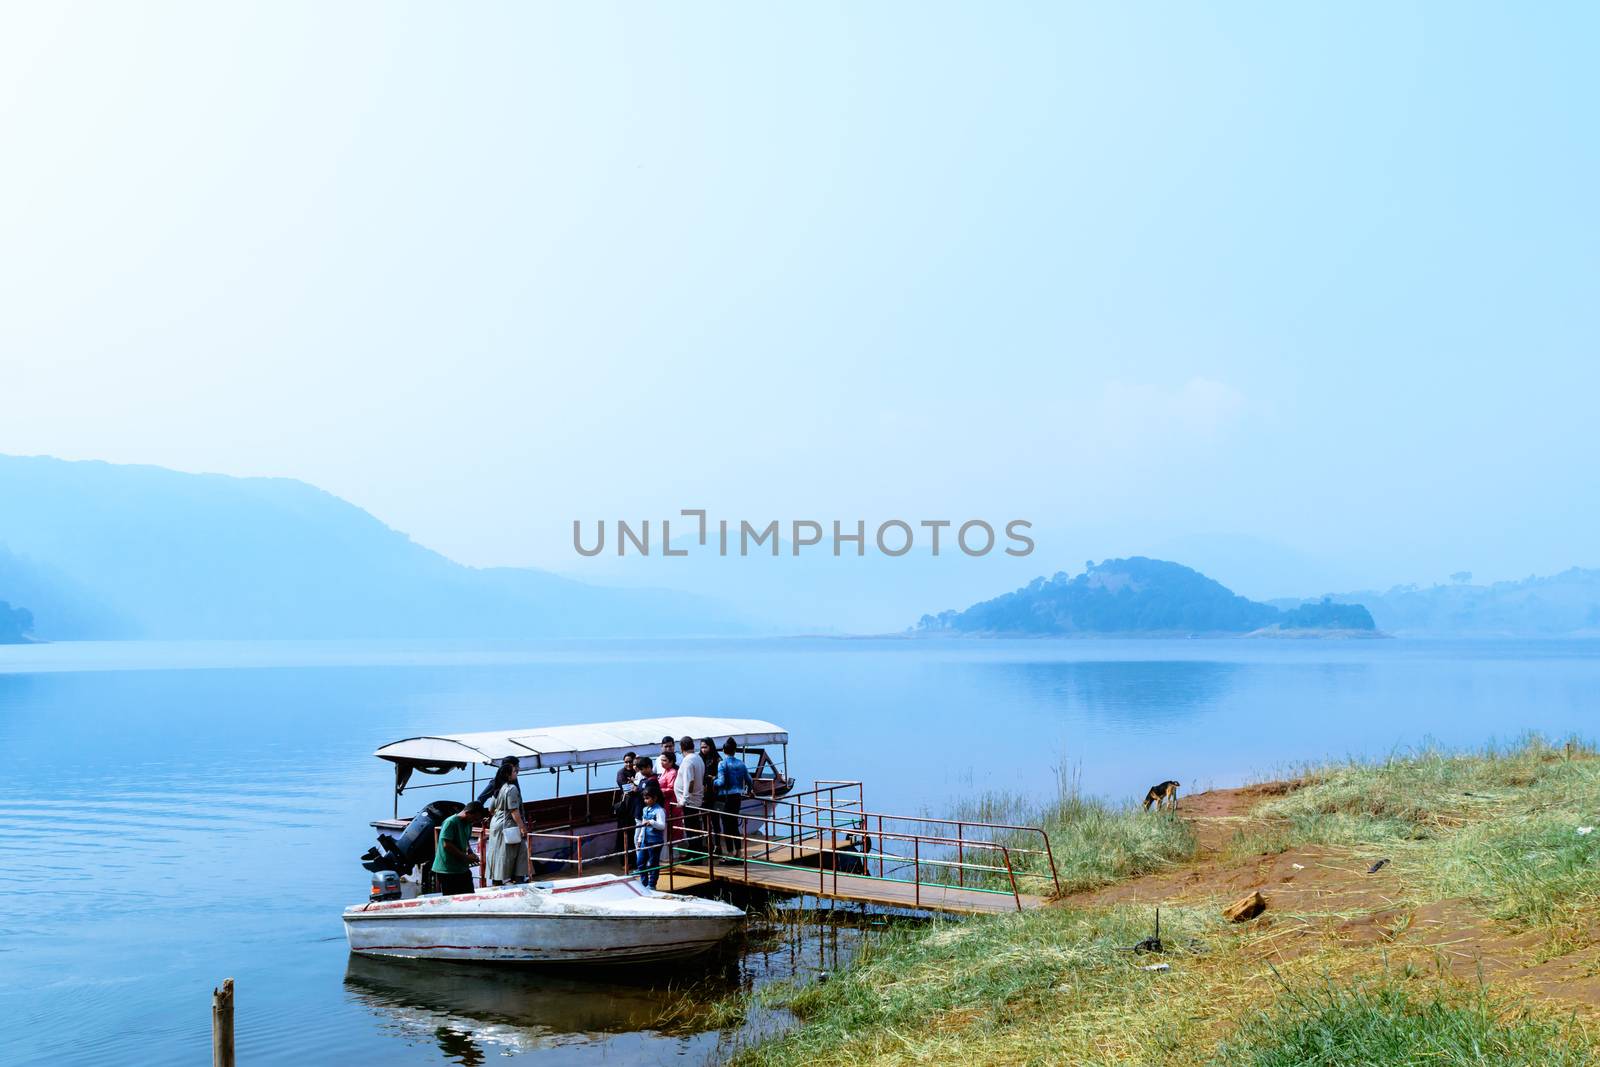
x: 475, y: 1012
x: 471, y: 1008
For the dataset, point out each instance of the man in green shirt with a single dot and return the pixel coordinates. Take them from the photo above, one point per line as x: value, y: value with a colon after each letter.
x: 453, y: 858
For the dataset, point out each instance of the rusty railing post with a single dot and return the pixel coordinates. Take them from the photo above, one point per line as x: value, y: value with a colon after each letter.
x: 822, y: 872
x: 882, y: 853
x: 916, y: 867
x: 1005, y: 853
x: 711, y: 851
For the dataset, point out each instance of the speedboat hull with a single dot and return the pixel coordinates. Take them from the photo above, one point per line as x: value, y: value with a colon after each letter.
x: 587, y: 920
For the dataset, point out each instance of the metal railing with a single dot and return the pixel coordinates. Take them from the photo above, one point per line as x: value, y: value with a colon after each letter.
x: 837, y: 831
x: 831, y: 801
x: 963, y: 839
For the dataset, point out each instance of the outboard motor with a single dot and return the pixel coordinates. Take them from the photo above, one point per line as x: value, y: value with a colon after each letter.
x: 385, y: 885
x: 415, y: 844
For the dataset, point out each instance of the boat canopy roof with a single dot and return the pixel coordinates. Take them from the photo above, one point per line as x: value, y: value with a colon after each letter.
x: 567, y: 746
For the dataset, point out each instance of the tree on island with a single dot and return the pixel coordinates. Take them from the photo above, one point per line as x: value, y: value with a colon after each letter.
x: 16, y: 624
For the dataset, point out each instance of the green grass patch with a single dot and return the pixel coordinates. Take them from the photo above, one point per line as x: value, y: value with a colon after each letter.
x: 1389, y: 1023
x: 1532, y: 871
x: 1047, y: 986
x: 1420, y: 795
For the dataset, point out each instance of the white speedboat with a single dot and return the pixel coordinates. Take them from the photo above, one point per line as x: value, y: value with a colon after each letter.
x: 600, y: 919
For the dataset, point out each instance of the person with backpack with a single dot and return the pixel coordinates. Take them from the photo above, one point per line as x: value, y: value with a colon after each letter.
x: 622, y: 808
x: 733, y: 785
x: 712, y: 816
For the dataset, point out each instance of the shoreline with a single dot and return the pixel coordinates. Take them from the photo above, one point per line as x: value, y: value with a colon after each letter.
x: 1477, y: 920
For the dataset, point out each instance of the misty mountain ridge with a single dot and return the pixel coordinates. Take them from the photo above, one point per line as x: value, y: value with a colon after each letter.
x: 98, y: 550
x: 1558, y: 605
x: 1141, y: 596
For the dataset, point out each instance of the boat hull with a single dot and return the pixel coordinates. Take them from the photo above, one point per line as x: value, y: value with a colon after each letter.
x: 595, y: 921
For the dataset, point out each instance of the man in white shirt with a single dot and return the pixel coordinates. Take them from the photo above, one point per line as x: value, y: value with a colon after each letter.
x: 690, y: 789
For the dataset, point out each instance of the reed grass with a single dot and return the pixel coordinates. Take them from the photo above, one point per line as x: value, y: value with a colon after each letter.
x: 1094, y: 843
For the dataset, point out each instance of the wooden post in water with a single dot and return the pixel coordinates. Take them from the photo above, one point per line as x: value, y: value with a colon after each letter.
x: 222, y: 1025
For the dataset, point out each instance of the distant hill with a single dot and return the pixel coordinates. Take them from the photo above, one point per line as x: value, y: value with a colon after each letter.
x: 1565, y: 604
x: 108, y: 551
x: 1139, y: 596
x: 15, y: 624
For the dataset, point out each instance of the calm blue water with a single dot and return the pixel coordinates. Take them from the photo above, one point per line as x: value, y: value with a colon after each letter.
x: 179, y: 813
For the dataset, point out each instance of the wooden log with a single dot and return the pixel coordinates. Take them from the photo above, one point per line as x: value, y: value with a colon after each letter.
x: 222, y: 1025
x: 1244, y: 910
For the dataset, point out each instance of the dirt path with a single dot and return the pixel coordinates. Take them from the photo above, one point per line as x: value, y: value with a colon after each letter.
x: 1322, y: 896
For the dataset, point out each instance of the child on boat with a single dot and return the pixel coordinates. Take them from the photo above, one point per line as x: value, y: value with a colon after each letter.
x: 652, y: 832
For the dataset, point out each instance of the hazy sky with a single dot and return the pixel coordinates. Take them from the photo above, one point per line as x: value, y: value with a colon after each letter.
x: 1324, y: 275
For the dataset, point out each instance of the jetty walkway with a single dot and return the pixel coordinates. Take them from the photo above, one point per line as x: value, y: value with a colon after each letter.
x: 824, y: 843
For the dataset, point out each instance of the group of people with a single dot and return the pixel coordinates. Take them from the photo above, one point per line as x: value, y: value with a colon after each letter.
x: 688, y: 790
x: 506, y: 854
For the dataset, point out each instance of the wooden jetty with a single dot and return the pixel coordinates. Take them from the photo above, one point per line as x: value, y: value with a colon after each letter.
x: 823, y: 843
x: 857, y: 888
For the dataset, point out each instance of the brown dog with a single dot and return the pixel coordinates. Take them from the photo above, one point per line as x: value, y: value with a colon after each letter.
x: 1164, y: 795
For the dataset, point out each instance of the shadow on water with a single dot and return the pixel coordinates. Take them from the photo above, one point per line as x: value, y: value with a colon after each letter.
x: 654, y: 1012
x: 470, y: 1009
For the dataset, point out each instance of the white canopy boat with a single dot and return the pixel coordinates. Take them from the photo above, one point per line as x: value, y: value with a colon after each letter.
x: 599, y: 919
x: 575, y: 827
x: 582, y: 917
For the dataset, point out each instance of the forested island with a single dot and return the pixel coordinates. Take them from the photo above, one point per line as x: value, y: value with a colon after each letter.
x: 16, y: 624
x: 1140, y: 596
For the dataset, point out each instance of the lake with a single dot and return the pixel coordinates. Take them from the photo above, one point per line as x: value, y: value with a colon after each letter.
x: 184, y: 812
